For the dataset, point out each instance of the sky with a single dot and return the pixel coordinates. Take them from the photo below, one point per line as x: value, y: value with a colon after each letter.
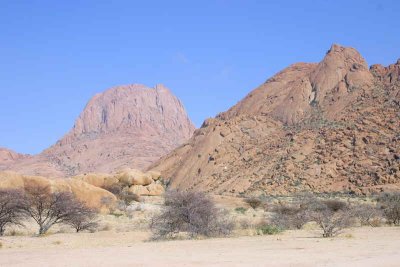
x: 55, y: 55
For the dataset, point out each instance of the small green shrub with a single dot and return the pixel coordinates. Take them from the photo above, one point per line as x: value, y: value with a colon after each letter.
x: 241, y: 210
x: 269, y: 230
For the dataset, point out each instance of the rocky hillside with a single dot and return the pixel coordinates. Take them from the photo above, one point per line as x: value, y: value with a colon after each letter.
x: 327, y: 127
x: 126, y: 126
x: 8, y: 156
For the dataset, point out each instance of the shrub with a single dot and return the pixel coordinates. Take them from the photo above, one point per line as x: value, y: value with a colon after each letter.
x: 191, y: 212
x: 241, y: 210
x: 84, y: 219
x: 12, y: 210
x: 331, y: 216
x: 127, y: 198
x: 268, y: 230
x: 108, y: 202
x: 367, y: 214
x: 390, y: 205
x: 290, y: 216
x: 254, y: 202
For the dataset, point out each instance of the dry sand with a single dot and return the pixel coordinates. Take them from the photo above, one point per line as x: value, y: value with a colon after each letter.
x: 356, y: 247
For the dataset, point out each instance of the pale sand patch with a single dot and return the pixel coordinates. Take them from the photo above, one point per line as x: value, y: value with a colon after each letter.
x: 364, y: 247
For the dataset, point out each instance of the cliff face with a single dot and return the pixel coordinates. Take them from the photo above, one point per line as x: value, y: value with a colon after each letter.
x: 327, y: 127
x: 126, y: 126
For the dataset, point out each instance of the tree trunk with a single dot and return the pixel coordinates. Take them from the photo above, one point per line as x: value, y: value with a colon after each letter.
x: 43, y: 229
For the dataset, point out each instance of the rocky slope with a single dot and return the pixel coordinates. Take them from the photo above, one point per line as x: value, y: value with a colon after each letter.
x: 327, y: 127
x: 126, y: 126
x: 8, y: 156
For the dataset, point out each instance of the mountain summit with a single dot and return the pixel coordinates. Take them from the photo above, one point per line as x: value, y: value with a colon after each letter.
x: 327, y: 127
x: 125, y: 126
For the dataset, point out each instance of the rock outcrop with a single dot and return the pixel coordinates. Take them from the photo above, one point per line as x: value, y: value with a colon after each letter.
x: 135, y: 181
x: 327, y: 127
x: 91, y: 195
x: 8, y: 156
x: 126, y: 126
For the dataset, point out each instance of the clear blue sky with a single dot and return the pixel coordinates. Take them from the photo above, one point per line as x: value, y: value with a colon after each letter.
x: 55, y: 55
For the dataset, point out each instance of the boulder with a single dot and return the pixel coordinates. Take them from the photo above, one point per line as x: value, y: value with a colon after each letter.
x: 98, y: 179
x: 134, y: 177
x: 150, y: 190
x: 91, y: 195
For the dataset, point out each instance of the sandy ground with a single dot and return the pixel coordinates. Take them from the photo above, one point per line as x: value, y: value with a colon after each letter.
x: 356, y: 247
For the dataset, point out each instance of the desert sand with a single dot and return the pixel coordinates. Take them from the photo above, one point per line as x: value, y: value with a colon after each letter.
x: 355, y: 247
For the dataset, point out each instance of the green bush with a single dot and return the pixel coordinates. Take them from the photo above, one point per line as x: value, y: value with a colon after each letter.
x: 269, y: 230
x: 241, y: 210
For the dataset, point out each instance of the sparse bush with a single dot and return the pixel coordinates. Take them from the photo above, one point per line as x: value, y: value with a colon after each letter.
x: 254, y: 202
x: 334, y: 204
x: 12, y: 210
x: 245, y: 224
x: 390, y: 205
x: 241, y: 210
x: 127, y: 198
x: 367, y: 214
x: 108, y: 202
x: 191, y: 212
x: 84, y: 219
x: 331, y: 216
x: 290, y: 216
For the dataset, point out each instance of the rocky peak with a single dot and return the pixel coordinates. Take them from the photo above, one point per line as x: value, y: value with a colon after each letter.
x: 389, y: 74
x: 341, y: 71
x: 326, y: 127
x: 132, y: 108
x: 128, y: 126
x: 7, y: 156
x: 294, y: 93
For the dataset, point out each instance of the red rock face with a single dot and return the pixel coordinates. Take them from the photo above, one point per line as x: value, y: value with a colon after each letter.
x: 290, y: 95
x: 126, y: 126
x: 327, y: 127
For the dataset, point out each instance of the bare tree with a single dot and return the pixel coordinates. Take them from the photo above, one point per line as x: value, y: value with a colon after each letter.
x: 367, y: 214
x: 291, y: 216
x: 83, y: 218
x: 191, y: 212
x: 390, y: 205
x: 49, y: 208
x: 332, y: 216
x: 11, y: 208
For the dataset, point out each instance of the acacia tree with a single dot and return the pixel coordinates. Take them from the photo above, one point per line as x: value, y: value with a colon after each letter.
x: 84, y: 218
x: 48, y: 208
x: 11, y: 208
